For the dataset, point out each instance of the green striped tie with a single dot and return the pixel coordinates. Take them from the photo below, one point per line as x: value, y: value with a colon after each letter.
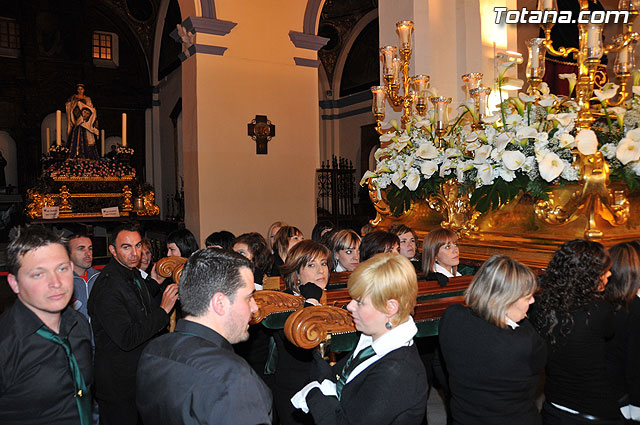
x: 351, y: 364
x: 83, y: 400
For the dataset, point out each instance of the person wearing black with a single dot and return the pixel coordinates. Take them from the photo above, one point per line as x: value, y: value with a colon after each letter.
x: 305, y: 273
x: 382, y: 382
x: 623, y: 351
x: 124, y: 318
x: 492, y: 354
x: 576, y: 323
x: 45, y: 345
x: 200, y: 378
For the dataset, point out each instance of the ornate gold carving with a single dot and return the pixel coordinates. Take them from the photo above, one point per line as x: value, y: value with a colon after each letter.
x: 308, y: 327
x: 270, y: 302
x: 458, y: 215
x: 36, y: 201
x: 150, y: 203
x: 127, y: 205
x: 92, y: 179
x: 167, y: 266
x: 593, y: 199
x: 379, y: 199
x: 64, y: 199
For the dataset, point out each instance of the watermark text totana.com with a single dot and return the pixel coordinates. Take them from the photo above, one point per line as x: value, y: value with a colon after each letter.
x: 526, y: 16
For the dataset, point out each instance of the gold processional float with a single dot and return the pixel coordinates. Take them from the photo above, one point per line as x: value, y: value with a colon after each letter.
x: 540, y: 171
x: 77, y: 182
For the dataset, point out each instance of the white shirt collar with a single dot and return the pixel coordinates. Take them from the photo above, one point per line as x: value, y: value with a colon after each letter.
x: 511, y: 323
x: 339, y: 268
x: 438, y: 268
x: 143, y: 273
x: 400, y: 336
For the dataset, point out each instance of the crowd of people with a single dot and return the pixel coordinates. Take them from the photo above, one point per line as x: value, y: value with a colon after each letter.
x: 82, y: 346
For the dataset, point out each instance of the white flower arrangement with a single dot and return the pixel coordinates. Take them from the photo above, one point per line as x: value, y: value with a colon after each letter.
x: 530, y: 144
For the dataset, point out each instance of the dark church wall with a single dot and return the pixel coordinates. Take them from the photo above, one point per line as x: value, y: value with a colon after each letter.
x: 56, y: 53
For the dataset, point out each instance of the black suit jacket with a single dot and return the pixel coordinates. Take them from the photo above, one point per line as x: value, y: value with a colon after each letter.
x: 392, y: 391
x: 124, y: 318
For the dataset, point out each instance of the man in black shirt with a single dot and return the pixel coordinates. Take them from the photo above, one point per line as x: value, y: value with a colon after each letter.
x: 124, y: 317
x: 201, y: 379
x: 45, y: 346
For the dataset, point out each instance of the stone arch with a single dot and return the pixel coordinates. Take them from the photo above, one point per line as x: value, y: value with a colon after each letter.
x: 342, y: 58
x: 311, y: 16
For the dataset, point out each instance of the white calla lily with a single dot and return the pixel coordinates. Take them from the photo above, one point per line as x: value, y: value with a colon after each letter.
x: 481, y: 154
x: 620, y: 113
x: 587, y: 142
x: 490, y: 119
x: 628, y: 151
x: 427, y: 151
x: 571, y: 78
x: 551, y: 166
x: 547, y: 101
x: 485, y: 173
x: 636, y: 90
x: 564, y: 119
x: 428, y: 168
x: 526, y: 98
x: 387, y: 136
x: 396, y: 178
x: 513, y: 160
x: 634, y: 134
x: 502, y: 141
x: 367, y: 175
x: 526, y: 133
x: 413, y: 179
x: 608, y: 91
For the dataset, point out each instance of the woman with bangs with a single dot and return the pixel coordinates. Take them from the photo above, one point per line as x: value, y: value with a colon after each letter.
x: 345, y: 251
x: 576, y: 322
x: 305, y: 273
x: 440, y: 253
x: 623, y: 352
x: 285, y: 239
x: 383, y: 381
x: 492, y: 354
x: 408, y: 247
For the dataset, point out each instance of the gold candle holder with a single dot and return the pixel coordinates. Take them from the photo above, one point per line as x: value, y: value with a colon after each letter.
x: 441, y: 115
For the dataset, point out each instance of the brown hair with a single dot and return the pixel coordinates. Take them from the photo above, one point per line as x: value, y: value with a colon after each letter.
x: 299, y: 256
x: 434, y: 240
x: 281, y: 241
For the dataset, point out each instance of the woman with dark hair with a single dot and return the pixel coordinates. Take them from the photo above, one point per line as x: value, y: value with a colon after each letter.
x: 440, y: 253
x: 254, y: 247
x: 382, y: 382
x: 576, y: 322
x: 623, y: 352
x: 305, y: 273
x: 408, y: 246
x: 181, y: 243
x: 345, y: 251
x: 497, y: 384
x: 286, y: 238
x: 222, y: 239
x: 377, y: 242
x: 320, y: 229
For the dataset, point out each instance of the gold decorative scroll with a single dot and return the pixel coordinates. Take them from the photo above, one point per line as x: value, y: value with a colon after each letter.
x: 170, y: 267
x: 270, y: 302
x: 593, y: 198
x: 308, y: 327
x: 379, y: 200
x: 457, y: 213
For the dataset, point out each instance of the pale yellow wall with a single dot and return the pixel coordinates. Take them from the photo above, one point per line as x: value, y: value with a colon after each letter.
x: 229, y: 186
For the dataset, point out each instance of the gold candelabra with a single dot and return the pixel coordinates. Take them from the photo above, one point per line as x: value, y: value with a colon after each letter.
x: 410, y: 93
x: 587, y: 55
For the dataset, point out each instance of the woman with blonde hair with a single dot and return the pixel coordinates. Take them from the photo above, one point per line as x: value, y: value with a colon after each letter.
x: 305, y: 273
x: 440, y: 253
x: 383, y: 381
x: 271, y: 233
x: 345, y: 250
x: 491, y: 352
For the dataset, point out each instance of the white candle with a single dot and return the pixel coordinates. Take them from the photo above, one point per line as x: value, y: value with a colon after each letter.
x: 58, y: 127
x: 592, y: 36
x: 623, y: 56
x: 102, y: 142
x: 534, y: 59
x: 124, y: 130
x: 548, y: 5
x: 48, y: 139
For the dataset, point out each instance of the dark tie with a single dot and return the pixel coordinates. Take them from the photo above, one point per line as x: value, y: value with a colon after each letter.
x: 83, y: 400
x: 351, y: 364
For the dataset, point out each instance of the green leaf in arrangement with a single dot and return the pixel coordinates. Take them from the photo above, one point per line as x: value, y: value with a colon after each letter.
x: 490, y: 197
